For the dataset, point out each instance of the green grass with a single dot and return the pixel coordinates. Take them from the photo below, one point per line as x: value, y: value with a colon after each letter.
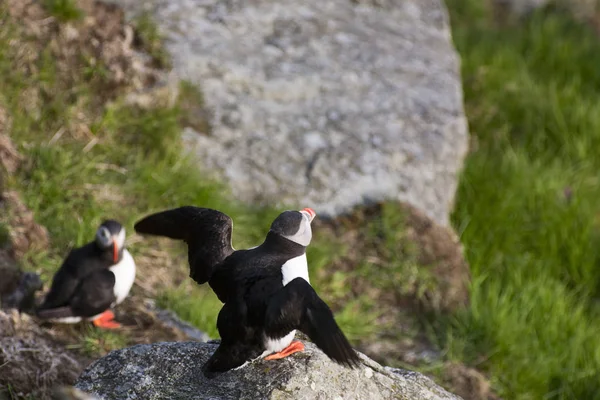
x: 150, y: 38
x: 527, y: 207
x: 63, y: 10
x: 97, y: 342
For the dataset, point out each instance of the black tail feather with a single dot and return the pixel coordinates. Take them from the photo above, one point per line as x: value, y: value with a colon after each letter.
x: 297, y: 306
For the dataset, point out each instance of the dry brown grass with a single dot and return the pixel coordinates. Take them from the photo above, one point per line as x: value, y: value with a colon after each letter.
x: 30, y: 361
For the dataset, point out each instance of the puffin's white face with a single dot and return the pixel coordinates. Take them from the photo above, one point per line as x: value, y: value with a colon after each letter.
x: 304, y: 234
x: 120, y: 239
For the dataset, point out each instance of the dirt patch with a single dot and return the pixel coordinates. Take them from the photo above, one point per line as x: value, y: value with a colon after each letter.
x: 9, y: 156
x: 394, y: 349
x: 467, y: 382
x: 434, y: 274
x: 25, y: 234
x: 439, y: 251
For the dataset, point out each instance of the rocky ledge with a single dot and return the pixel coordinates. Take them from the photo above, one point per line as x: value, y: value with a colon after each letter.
x: 174, y: 371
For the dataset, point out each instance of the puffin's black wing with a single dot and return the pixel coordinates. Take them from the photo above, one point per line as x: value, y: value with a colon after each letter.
x: 207, y: 233
x: 94, y: 295
x: 64, y: 284
x: 297, y: 306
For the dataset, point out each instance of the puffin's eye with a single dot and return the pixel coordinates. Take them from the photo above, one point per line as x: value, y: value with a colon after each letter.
x: 104, y: 233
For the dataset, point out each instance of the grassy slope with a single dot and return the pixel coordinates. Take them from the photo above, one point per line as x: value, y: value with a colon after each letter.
x: 527, y: 207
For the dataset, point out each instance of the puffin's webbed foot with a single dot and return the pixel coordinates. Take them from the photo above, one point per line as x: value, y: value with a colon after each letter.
x: 106, y: 321
x: 294, y: 347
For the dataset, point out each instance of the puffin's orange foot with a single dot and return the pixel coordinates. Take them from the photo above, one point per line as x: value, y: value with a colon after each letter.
x: 106, y: 320
x: 294, y: 347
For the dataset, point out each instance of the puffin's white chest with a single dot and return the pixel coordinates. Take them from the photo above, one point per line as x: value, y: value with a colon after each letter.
x: 294, y: 268
x: 124, y: 272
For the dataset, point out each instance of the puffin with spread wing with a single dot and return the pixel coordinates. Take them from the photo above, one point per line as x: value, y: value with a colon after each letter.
x: 265, y: 290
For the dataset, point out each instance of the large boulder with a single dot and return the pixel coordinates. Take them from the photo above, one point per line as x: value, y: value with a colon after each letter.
x: 173, y: 371
x: 326, y: 103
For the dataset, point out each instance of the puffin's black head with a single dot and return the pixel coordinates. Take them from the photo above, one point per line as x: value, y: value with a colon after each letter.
x: 295, y: 225
x: 111, y: 236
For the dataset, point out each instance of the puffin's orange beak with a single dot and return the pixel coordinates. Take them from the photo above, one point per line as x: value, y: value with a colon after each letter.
x: 310, y: 212
x: 115, y: 251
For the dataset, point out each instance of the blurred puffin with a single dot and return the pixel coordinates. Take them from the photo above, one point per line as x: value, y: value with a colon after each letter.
x: 92, y: 279
x: 265, y: 290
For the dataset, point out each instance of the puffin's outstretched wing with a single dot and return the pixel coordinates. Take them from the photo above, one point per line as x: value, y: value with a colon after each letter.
x: 93, y: 295
x: 297, y: 306
x: 207, y: 233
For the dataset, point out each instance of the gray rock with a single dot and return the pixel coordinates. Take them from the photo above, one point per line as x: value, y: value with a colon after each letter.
x: 173, y: 371
x: 323, y: 103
